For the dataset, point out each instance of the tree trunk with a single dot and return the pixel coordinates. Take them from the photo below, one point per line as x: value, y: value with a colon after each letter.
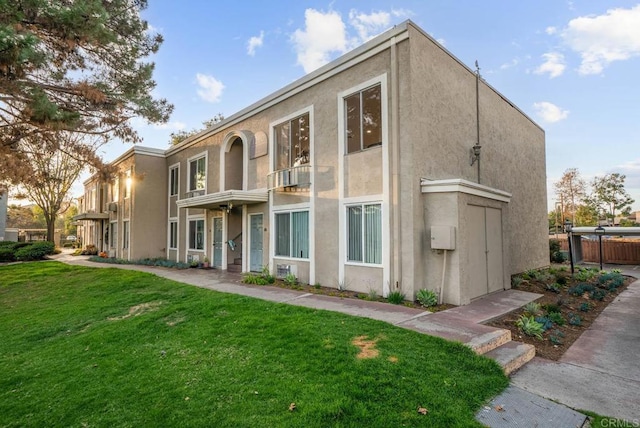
x: 51, y: 226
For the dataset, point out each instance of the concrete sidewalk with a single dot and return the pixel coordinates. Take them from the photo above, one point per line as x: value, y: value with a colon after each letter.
x: 599, y: 372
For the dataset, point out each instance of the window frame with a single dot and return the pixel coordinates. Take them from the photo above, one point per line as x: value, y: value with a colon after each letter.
x: 174, y: 180
x: 173, y: 237
x: 361, y: 133
x: 273, y: 150
x: 363, y: 234
x: 126, y: 234
x: 200, y: 156
x: 291, y: 235
x: 196, y: 220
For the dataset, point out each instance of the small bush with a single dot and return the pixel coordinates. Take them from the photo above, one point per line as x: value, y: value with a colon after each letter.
x: 529, y: 326
x: 556, y: 337
x: 557, y: 318
x: 545, y: 321
x: 396, y: 297
x: 532, y: 309
x: 516, y: 281
x: 372, y: 295
x: 6, y: 254
x: 585, y: 307
x: 561, y: 279
x: 598, y: 294
x: 427, y: 298
x: 551, y: 308
x: 575, y: 319
x: 35, y: 251
x: 255, y: 279
x: 290, y: 280
x: 555, y: 287
x: 89, y: 250
x: 585, y: 274
x: 580, y: 289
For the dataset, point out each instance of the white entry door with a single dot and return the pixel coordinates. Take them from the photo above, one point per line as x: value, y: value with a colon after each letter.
x: 255, y: 244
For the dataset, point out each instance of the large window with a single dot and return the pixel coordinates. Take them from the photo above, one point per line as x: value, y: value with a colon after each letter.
x: 292, y: 142
x: 363, y: 119
x: 292, y: 234
x: 173, y: 235
x: 173, y: 181
x: 364, y: 235
x: 196, y: 234
x: 113, y: 234
x: 197, y: 173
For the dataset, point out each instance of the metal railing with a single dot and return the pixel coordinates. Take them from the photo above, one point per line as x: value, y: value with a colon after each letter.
x: 297, y: 176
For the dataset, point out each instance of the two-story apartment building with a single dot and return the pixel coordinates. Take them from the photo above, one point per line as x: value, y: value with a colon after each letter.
x: 359, y: 175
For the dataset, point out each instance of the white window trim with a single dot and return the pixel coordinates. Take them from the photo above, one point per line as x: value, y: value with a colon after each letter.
x: 282, y: 209
x: 175, y: 166
x: 272, y: 135
x: 204, y: 154
x: 204, y: 242
x: 342, y: 201
x: 173, y: 220
x: 360, y: 201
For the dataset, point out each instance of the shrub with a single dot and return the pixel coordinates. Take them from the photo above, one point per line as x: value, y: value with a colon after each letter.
x: 585, y: 307
x: 516, y: 281
x: 252, y: 278
x: 35, y: 251
x: 545, y: 321
x: 557, y: 318
x: 574, y: 319
x: 561, y: 279
x: 556, y: 337
x: 427, y: 298
x: 580, y: 289
x: 396, y: 297
x: 290, y: 280
x: 529, y: 326
x: 598, y: 294
x: 90, y: 250
x: 372, y: 295
x: 532, y: 309
x: 585, y: 274
x: 6, y: 254
x: 555, y: 287
x: 551, y: 308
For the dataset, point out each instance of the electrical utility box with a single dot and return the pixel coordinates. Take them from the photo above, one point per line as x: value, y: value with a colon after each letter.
x: 443, y: 237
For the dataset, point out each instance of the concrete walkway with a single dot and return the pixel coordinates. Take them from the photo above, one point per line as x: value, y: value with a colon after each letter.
x: 600, y: 372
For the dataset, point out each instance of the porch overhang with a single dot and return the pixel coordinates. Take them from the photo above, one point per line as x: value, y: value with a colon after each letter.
x: 90, y: 216
x: 224, y: 199
x: 458, y: 185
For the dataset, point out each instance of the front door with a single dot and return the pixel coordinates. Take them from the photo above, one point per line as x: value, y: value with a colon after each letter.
x: 217, y: 242
x: 255, y: 245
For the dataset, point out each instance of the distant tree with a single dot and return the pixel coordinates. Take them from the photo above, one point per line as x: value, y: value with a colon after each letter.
x: 571, y: 190
x: 586, y: 215
x: 24, y: 217
x: 73, y: 66
x: 53, y: 174
x: 179, y: 136
x: 610, y: 197
x: 69, y: 224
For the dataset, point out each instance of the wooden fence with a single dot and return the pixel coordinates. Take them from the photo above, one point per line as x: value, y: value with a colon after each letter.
x: 625, y: 252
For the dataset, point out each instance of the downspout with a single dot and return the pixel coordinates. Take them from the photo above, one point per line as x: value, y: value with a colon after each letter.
x: 395, y: 163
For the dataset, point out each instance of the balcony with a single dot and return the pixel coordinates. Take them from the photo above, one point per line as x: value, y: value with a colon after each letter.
x: 297, y: 176
x: 224, y: 199
x: 195, y: 193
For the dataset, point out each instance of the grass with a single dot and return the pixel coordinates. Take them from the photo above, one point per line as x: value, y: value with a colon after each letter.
x: 110, y: 347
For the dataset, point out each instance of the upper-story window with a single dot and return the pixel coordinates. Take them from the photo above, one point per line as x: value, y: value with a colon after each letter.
x: 292, y: 142
x: 128, y: 181
x: 363, y: 111
x: 197, y: 173
x: 173, y: 181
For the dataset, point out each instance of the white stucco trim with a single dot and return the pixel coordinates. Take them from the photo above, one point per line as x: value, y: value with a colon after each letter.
x: 463, y: 186
x: 177, y: 217
x: 384, y: 199
x: 245, y: 239
x: 186, y: 240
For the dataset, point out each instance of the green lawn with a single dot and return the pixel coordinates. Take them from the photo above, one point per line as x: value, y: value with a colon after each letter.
x: 110, y: 347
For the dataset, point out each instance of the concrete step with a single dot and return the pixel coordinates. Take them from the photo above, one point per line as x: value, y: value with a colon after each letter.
x: 512, y: 355
x: 480, y: 338
x: 237, y: 261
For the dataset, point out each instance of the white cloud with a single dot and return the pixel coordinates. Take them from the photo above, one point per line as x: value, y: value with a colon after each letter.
x: 549, y: 112
x: 369, y: 25
x: 551, y: 30
x: 324, y: 33
x: 602, y: 39
x: 553, y: 64
x: 632, y: 170
x: 254, y: 43
x: 510, y: 64
x: 210, y: 88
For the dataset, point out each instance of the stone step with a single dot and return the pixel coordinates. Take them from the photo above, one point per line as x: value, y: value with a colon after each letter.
x: 237, y: 261
x: 512, y: 355
x: 480, y: 338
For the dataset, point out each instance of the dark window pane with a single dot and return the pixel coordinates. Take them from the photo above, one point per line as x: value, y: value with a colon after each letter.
x: 371, y: 117
x: 283, y: 237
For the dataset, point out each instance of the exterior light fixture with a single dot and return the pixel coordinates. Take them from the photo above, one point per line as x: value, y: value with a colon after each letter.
x: 226, y: 208
x: 475, y: 153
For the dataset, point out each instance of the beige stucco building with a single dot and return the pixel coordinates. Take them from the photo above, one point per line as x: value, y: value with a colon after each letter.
x: 357, y: 175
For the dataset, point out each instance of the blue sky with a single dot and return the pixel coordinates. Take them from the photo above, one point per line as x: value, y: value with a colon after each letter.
x: 572, y: 66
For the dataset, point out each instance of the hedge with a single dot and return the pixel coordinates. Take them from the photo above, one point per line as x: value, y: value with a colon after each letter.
x: 25, y: 251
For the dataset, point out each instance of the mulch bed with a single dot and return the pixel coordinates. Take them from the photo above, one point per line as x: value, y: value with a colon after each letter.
x: 569, y: 306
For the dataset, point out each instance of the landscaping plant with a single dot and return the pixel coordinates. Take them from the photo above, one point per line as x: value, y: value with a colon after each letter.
x: 427, y: 298
x: 529, y: 326
x: 396, y: 297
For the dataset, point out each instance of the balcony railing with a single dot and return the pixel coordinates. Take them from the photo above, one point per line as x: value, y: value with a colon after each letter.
x: 194, y: 193
x: 297, y: 176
